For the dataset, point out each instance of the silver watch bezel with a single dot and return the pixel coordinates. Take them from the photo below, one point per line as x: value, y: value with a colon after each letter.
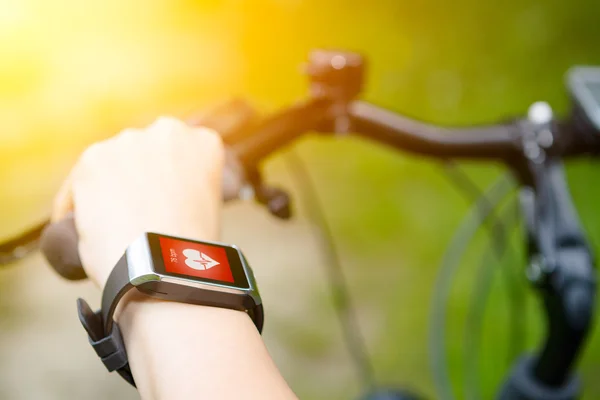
x: 141, y: 269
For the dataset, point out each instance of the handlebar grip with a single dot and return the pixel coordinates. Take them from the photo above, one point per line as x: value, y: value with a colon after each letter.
x: 59, y: 240
x: 59, y: 244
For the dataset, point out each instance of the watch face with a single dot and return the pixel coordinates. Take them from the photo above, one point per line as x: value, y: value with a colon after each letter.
x: 199, y: 261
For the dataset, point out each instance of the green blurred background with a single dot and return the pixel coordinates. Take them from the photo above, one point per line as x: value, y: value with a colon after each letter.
x: 77, y: 73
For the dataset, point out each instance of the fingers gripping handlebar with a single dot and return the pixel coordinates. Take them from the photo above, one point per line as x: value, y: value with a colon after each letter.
x: 59, y: 240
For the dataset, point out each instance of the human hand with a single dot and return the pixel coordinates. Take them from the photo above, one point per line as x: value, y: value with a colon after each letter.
x: 164, y: 178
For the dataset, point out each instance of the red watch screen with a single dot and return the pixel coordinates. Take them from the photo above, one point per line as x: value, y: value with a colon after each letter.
x: 198, y: 260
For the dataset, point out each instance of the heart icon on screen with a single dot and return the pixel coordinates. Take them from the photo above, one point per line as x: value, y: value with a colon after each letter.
x: 198, y: 260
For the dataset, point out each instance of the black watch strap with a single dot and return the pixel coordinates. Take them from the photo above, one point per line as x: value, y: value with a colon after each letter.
x: 105, y: 335
x: 116, y: 286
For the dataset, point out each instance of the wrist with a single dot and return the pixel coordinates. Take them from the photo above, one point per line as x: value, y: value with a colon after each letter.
x: 185, y: 345
x: 163, y: 337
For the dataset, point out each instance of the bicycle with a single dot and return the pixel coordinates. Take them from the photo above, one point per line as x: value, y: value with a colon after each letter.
x: 560, y: 261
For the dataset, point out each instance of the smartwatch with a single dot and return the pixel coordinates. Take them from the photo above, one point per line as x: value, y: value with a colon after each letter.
x: 175, y: 269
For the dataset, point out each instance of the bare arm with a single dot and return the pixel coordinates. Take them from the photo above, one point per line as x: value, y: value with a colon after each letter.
x: 166, y: 178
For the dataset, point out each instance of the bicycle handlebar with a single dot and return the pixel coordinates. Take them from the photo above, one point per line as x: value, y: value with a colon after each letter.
x: 275, y: 132
x: 483, y: 142
x: 251, y: 145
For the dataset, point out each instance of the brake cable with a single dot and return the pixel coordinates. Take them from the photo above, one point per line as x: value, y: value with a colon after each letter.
x: 476, y: 216
x: 498, y: 231
x: 478, y: 301
x: 342, y: 300
x: 465, y: 184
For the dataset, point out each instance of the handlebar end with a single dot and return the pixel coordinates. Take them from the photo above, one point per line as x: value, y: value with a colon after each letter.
x: 59, y: 244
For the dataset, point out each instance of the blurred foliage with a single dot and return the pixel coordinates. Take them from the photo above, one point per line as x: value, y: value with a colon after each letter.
x: 72, y: 72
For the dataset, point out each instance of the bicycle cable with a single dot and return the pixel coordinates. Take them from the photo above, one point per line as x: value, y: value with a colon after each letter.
x: 498, y: 231
x: 476, y: 309
x: 476, y: 216
x: 466, y: 185
x: 355, y: 342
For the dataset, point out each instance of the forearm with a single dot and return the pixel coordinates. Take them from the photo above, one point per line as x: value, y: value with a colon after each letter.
x: 181, y: 351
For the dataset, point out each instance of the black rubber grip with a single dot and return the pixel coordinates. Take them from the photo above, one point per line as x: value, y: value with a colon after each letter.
x: 59, y: 243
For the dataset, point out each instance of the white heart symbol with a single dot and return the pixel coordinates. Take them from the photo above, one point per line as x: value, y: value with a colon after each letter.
x: 197, y: 260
